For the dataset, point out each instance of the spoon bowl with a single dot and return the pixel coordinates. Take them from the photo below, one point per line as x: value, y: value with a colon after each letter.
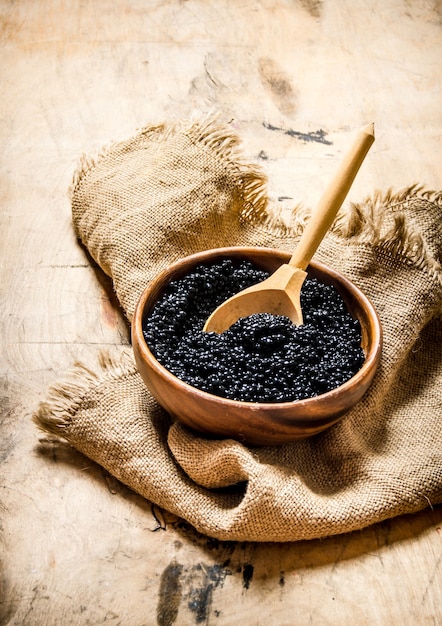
x: 279, y: 295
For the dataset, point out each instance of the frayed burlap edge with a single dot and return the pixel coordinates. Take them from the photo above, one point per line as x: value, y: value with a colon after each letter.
x: 223, y: 141
x: 364, y: 223
x: 66, y: 397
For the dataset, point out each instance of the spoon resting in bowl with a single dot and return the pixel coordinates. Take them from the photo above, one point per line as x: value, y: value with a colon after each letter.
x: 280, y: 293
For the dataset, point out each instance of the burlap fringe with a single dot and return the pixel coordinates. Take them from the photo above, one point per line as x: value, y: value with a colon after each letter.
x: 381, y: 222
x: 225, y: 143
x: 211, y: 132
x: 54, y: 415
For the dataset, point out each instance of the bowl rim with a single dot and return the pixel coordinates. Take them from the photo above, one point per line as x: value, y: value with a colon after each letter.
x: 205, y: 255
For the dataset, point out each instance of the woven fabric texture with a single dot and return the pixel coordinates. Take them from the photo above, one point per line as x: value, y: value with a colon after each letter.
x: 177, y: 189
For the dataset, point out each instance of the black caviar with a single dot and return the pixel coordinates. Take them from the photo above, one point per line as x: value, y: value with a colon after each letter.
x: 261, y: 358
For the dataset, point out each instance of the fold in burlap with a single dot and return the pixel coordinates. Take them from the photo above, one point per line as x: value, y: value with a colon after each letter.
x: 171, y: 191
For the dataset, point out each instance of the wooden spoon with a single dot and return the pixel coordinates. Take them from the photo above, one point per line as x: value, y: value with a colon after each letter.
x: 280, y: 293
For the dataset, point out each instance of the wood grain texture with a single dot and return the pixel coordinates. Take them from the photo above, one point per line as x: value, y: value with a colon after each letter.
x: 297, y: 78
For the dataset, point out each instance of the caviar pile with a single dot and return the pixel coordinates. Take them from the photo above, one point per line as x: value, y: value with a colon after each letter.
x: 261, y: 358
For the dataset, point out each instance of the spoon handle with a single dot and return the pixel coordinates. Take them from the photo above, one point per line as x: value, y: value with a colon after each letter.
x: 332, y: 198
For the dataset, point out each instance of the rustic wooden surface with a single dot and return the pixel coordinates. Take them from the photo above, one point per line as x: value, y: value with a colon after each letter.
x: 296, y: 77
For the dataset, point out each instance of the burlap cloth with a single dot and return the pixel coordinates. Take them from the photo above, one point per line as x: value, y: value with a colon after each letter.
x: 176, y: 189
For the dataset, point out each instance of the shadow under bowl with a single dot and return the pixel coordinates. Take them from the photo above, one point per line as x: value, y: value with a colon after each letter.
x: 256, y: 424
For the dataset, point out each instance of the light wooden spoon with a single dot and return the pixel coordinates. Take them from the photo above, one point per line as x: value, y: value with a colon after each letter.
x: 280, y: 293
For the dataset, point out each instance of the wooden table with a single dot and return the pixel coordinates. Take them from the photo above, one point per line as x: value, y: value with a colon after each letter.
x: 76, y: 546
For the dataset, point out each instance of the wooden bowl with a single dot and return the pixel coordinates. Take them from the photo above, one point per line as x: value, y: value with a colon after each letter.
x: 248, y: 422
